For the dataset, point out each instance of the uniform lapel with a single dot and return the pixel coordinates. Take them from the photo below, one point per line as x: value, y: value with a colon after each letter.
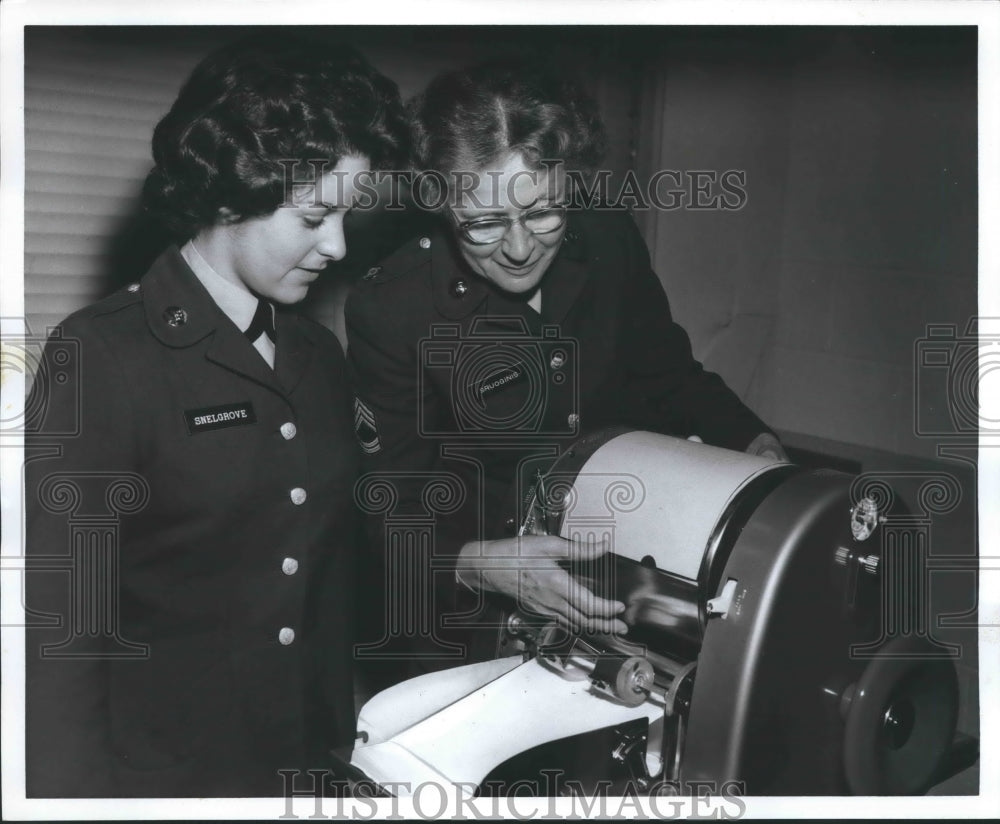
x: 293, y: 350
x: 457, y: 292
x: 178, y: 309
x: 230, y: 349
x: 561, y: 286
x: 180, y: 312
x: 565, y: 280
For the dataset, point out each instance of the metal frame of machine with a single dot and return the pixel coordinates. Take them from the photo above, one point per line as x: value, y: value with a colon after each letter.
x: 721, y: 685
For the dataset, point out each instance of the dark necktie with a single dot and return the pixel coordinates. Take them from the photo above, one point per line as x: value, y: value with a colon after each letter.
x: 262, y: 323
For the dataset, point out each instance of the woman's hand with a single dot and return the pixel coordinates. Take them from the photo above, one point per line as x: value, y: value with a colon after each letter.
x: 767, y: 446
x: 528, y: 569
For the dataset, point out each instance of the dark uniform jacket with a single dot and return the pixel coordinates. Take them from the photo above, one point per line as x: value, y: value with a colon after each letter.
x: 456, y: 378
x: 197, y: 529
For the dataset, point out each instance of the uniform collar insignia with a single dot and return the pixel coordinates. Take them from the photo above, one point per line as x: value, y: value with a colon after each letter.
x: 171, y: 292
x: 171, y: 286
x: 448, y: 270
x: 575, y: 240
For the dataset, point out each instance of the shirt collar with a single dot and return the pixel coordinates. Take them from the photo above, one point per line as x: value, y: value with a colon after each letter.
x: 457, y: 292
x: 237, y: 303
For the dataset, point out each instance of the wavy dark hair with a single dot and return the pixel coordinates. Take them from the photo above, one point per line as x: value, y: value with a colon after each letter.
x: 256, y: 102
x: 468, y: 119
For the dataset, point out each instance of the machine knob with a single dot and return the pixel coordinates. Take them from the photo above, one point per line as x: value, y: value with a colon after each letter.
x: 635, y: 679
x: 865, y: 518
x: 627, y: 680
x: 869, y: 563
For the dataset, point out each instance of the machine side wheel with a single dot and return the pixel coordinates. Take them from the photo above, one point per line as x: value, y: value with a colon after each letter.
x: 900, y: 719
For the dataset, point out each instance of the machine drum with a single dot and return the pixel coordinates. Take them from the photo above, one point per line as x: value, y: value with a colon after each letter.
x: 900, y: 719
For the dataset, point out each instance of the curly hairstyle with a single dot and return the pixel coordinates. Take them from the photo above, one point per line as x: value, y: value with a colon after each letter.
x: 468, y: 119
x: 254, y: 103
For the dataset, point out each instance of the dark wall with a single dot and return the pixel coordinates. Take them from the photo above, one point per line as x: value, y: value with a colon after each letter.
x: 859, y: 229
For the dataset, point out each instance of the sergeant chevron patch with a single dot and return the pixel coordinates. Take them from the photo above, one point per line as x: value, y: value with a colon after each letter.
x: 365, y: 428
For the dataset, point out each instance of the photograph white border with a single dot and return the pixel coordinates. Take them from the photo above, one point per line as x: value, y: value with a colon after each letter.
x: 16, y: 14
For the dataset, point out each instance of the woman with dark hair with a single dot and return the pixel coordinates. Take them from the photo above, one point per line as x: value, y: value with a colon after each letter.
x: 491, y: 346
x: 203, y: 639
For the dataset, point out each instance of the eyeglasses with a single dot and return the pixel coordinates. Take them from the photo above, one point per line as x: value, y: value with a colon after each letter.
x: 486, y: 230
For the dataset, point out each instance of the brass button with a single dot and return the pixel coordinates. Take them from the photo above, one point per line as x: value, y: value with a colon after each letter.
x: 175, y: 316
x: 298, y: 496
x: 425, y: 243
x: 459, y: 289
x: 286, y: 635
x: 557, y: 360
x: 573, y: 420
x: 289, y: 566
x: 288, y: 430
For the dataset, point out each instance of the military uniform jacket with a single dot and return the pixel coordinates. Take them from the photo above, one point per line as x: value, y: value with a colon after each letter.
x: 193, y: 509
x: 457, y: 379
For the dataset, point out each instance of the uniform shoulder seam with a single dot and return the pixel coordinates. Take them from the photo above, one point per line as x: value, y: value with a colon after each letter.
x: 409, y: 257
x: 115, y: 302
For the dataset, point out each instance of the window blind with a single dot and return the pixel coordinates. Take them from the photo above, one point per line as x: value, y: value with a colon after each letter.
x: 92, y: 98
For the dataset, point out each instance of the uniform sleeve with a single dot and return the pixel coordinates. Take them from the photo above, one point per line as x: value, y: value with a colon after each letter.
x: 382, y: 365
x: 81, y: 409
x: 383, y: 362
x: 662, y: 368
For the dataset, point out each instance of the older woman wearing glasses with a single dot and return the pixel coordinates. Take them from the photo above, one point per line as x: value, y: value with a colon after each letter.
x: 494, y: 343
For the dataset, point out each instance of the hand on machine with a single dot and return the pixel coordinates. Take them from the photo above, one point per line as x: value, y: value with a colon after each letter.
x: 534, y: 571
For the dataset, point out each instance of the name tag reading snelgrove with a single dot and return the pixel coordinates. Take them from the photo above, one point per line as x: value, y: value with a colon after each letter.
x: 219, y: 417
